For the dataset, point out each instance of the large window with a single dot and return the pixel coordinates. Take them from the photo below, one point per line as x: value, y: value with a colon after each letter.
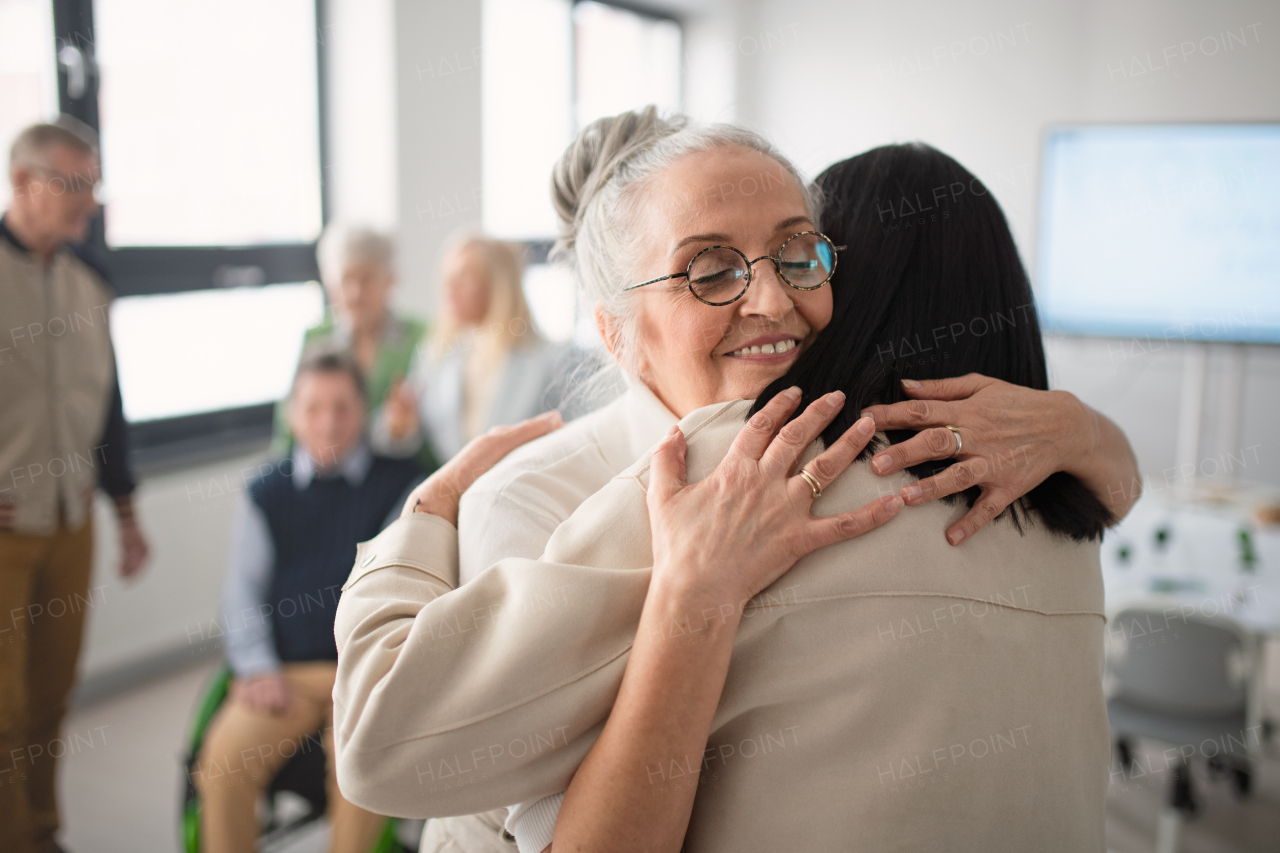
x: 210, y: 129
x: 623, y: 60
x: 550, y: 68
x: 28, y: 76
x: 209, y: 350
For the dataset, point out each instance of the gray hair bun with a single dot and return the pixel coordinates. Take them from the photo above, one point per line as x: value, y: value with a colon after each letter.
x: 598, y: 153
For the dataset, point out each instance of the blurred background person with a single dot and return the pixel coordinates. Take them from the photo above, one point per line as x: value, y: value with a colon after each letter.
x: 357, y: 268
x: 485, y: 365
x: 62, y: 433
x: 293, y: 540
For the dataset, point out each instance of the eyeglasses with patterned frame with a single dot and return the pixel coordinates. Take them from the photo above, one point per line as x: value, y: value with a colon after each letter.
x: 712, y: 272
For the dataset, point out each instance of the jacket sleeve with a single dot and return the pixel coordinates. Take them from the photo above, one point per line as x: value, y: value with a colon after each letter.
x: 458, y: 700
x: 250, y: 643
x: 114, y: 477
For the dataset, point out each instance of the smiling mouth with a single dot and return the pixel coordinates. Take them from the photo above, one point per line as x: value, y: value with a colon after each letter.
x: 768, y: 349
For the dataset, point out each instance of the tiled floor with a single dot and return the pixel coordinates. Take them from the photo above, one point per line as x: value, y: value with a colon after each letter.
x: 122, y: 795
x: 1225, y: 824
x: 121, y: 787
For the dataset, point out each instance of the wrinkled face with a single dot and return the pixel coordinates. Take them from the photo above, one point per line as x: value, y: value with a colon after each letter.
x: 466, y: 286
x: 326, y: 414
x: 362, y: 292
x: 693, y: 354
x: 57, y: 197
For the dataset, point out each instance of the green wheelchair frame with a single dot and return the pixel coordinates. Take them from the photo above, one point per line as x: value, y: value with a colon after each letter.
x: 215, y: 695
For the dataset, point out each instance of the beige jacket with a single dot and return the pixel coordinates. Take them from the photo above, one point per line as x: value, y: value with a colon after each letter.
x: 889, y: 693
x: 56, y: 380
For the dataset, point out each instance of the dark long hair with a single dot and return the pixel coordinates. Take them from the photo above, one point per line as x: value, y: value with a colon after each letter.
x: 930, y: 286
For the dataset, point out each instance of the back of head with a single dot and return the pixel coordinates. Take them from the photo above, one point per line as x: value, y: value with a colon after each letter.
x: 930, y: 286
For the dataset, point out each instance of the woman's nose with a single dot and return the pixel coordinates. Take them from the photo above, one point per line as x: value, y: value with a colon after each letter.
x: 768, y: 296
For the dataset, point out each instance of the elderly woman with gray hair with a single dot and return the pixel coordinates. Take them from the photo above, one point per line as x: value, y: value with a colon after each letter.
x: 464, y: 621
x: 357, y: 268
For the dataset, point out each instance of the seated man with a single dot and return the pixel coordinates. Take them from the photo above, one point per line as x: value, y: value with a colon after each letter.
x: 292, y: 546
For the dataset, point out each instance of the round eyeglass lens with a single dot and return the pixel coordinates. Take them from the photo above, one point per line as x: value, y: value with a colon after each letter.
x: 718, y: 275
x: 807, y: 260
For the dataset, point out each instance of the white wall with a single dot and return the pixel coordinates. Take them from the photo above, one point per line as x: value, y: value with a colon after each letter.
x: 437, y: 78
x: 360, y: 166
x: 828, y: 78
x: 186, y: 516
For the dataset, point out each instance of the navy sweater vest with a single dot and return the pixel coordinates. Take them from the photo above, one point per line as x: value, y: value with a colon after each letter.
x: 314, y: 532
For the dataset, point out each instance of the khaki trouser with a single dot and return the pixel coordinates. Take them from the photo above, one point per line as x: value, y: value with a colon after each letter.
x: 244, y: 748
x: 44, y: 591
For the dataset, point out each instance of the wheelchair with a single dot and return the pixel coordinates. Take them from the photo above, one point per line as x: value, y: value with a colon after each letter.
x: 300, y: 779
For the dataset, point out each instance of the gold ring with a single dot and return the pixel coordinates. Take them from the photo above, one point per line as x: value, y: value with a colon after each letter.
x: 813, y: 483
x: 959, y: 442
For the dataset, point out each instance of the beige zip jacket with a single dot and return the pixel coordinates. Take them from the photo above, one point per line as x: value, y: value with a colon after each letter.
x: 887, y: 693
x: 57, y: 372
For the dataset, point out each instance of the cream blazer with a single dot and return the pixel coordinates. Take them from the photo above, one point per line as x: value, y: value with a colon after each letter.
x: 887, y: 693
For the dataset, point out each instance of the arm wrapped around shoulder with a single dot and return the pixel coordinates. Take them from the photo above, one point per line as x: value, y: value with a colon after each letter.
x: 488, y: 695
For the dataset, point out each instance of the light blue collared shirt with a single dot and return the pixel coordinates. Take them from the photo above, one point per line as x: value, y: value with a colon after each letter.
x: 250, y: 646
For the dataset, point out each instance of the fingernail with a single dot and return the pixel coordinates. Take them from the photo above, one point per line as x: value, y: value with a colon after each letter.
x: 866, y: 426
x: 881, y: 463
x: 675, y: 428
x: 912, y: 491
x: 955, y: 537
x: 551, y: 416
x: 835, y: 400
x: 891, y: 503
x: 793, y: 392
x: 910, y: 383
x: 866, y: 413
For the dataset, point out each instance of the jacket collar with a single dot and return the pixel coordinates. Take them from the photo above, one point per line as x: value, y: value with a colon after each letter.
x: 6, y: 234
x: 645, y: 421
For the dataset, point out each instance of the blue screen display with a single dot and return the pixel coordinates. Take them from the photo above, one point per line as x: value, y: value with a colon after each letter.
x: 1162, y: 231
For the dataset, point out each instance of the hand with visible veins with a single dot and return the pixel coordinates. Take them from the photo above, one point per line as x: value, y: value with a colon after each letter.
x: 440, y: 493
x: 1012, y: 439
x: 746, y: 524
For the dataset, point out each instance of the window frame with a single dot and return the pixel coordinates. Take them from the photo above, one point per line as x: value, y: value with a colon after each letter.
x: 537, y: 250
x: 145, y: 270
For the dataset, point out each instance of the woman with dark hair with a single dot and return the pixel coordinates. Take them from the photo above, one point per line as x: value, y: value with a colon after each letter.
x: 932, y: 288
x: 614, y: 645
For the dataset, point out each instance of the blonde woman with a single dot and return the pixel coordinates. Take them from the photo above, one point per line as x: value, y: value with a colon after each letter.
x: 485, y: 365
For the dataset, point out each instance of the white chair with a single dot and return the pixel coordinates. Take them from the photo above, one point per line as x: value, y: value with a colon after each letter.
x: 1182, y: 680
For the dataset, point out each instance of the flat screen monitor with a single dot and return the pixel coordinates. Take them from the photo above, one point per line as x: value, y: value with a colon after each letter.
x: 1161, y: 231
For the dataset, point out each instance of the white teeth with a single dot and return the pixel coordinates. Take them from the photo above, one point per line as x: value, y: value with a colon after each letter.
x: 767, y: 349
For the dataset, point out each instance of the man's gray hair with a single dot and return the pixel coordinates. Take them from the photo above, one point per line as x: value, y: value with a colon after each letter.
x: 596, y: 185
x: 31, y: 145
x: 344, y: 244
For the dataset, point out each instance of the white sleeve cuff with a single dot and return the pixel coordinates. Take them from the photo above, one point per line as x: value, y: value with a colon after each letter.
x: 534, y: 824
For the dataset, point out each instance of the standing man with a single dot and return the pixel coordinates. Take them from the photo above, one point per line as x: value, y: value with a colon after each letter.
x: 62, y: 433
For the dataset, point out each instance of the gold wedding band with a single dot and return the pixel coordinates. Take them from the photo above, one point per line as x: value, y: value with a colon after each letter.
x: 813, y: 483
x: 959, y: 442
